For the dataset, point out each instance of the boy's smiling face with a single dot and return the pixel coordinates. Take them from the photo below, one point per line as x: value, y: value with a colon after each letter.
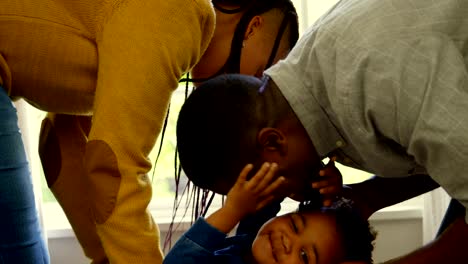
x: 299, y: 238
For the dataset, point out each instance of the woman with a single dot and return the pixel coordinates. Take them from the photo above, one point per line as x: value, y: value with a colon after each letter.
x: 118, y: 61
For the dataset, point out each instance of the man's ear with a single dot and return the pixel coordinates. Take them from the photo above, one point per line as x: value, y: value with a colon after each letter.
x: 254, y: 25
x: 272, y: 141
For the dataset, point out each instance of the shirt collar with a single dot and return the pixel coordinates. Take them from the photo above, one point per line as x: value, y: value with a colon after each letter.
x: 310, y: 111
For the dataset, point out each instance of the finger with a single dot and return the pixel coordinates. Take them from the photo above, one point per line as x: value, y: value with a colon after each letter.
x: 329, y: 190
x: 266, y: 181
x: 327, y: 202
x: 321, y: 184
x: 243, y: 174
x: 265, y: 201
x: 322, y: 173
x: 329, y: 170
x: 284, y: 190
x: 260, y: 174
x: 330, y: 180
x: 274, y: 186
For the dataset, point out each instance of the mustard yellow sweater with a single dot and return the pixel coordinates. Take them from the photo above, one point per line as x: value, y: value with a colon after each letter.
x: 119, y: 61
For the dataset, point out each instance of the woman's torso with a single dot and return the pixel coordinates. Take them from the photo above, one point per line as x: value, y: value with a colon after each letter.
x: 49, y: 48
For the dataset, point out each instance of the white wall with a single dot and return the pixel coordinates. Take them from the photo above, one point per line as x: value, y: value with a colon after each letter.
x: 396, y: 237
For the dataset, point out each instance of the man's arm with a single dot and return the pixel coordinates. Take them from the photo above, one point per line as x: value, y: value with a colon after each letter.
x: 376, y: 193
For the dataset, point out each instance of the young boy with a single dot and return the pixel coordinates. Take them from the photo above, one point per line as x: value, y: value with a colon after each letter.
x: 311, y: 235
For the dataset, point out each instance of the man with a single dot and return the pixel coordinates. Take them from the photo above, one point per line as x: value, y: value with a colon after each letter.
x: 381, y: 85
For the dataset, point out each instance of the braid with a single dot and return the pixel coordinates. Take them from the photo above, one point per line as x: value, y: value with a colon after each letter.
x: 197, y: 198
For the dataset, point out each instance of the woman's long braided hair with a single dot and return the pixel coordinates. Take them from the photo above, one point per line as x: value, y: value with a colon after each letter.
x: 193, y: 197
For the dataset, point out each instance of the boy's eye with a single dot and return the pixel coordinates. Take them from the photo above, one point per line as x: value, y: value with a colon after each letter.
x: 304, y: 257
x: 293, y: 224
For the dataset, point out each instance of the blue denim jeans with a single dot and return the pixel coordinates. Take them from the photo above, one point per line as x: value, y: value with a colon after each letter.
x: 21, y: 241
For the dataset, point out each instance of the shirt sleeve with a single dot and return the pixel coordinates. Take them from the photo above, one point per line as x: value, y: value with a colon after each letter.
x: 197, y: 245
x: 251, y: 224
x: 416, y: 96
x: 144, y: 47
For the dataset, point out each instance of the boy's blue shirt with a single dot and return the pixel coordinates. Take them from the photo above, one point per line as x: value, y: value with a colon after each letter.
x: 203, y: 243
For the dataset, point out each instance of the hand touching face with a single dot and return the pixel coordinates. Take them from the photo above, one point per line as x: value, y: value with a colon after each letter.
x: 329, y: 183
x: 248, y: 196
